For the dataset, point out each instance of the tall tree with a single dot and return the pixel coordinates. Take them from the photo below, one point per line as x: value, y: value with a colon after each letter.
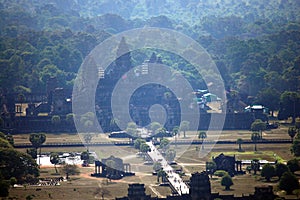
x: 288, y: 182
x: 144, y: 148
x: 259, y: 125
x: 138, y: 142
x: 202, y: 135
x: 293, y: 165
x: 227, y: 182
x: 268, y: 171
x: 295, y: 148
x: 270, y: 98
x: 164, y: 144
x: 280, y: 168
x: 37, y: 139
x: 255, y: 136
x: 175, y: 132
x: 170, y: 155
x: 54, y: 159
x: 184, y: 126
x: 154, y: 126
x: 161, y: 173
x: 289, y: 106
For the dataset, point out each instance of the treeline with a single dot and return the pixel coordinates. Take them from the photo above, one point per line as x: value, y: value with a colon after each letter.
x: 255, y: 44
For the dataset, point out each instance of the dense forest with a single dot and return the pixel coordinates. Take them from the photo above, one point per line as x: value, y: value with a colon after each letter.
x: 255, y: 43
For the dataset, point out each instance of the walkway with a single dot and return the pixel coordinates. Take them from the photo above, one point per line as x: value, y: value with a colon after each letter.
x: 173, y: 178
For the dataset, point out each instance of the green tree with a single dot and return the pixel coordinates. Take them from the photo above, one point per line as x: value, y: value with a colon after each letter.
x: 227, y: 182
x: 292, y: 132
x: 202, y: 135
x: 175, y: 132
x: 138, y: 142
x: 295, y: 148
x: 87, y: 137
x: 184, y: 126
x: 144, y: 148
x: 17, y: 164
x: 4, y: 188
x: 37, y: 139
x: 288, y: 182
x: 70, y: 170
x: 268, y: 171
x: 8, y: 137
x: 289, y: 106
x: 32, y: 152
x: 161, y: 132
x: 5, y: 144
x: 240, y: 141
x: 157, y: 166
x: 280, y: 168
x: 293, y: 165
x: 270, y: 98
x: 131, y: 129
x: 154, y: 126
x: 164, y: 144
x: 170, y: 155
x: 258, y: 125
x: 54, y: 159
x: 255, y: 136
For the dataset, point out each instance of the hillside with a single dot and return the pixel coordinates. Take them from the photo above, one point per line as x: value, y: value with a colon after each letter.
x: 255, y: 43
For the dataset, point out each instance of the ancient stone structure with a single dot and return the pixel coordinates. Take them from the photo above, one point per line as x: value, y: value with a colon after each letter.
x: 200, y: 186
x: 117, y: 171
x: 228, y: 163
x: 200, y: 189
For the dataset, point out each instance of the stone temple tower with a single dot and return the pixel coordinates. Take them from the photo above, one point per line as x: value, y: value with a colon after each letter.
x: 200, y: 186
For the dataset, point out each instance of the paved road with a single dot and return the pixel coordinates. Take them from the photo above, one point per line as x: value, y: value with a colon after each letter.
x: 173, y: 178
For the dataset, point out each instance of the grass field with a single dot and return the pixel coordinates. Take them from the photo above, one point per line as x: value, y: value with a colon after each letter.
x: 188, y: 157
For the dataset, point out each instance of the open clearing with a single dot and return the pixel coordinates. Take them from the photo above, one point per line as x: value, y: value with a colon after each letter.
x: 189, y: 157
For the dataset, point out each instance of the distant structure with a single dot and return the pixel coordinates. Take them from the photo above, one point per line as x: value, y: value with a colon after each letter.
x: 200, y: 189
x: 117, y: 171
x: 228, y: 164
x: 25, y: 113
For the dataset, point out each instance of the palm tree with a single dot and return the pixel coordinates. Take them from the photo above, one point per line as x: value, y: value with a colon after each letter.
x: 37, y: 139
x: 184, y: 126
x: 202, y: 135
x: 240, y: 141
x: 175, y: 132
x: 54, y: 159
x: 87, y: 138
x: 255, y: 137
